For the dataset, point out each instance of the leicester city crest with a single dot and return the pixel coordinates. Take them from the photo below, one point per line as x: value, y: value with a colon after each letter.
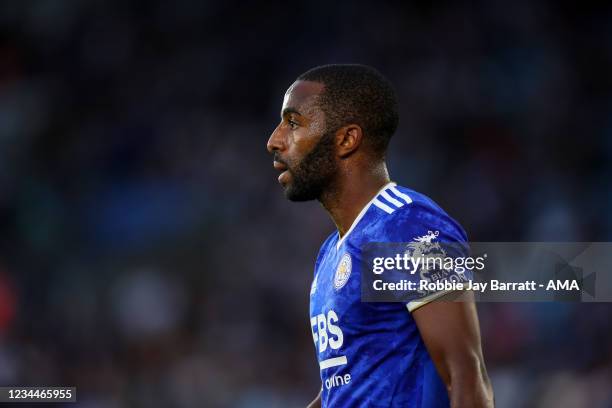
x: 343, y: 272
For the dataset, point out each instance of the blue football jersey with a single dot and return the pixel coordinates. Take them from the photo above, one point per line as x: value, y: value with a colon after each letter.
x: 371, y: 354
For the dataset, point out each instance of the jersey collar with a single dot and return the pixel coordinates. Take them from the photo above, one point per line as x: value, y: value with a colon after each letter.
x: 363, y: 211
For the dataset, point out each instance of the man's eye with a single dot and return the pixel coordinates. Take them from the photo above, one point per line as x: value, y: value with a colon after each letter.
x: 292, y: 124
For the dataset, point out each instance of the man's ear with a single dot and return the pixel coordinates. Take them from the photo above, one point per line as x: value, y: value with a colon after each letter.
x: 349, y: 138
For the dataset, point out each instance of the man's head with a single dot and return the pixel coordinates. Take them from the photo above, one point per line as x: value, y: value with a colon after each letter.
x: 331, y: 114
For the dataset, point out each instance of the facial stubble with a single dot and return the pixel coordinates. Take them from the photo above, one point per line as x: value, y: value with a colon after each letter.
x: 313, y: 175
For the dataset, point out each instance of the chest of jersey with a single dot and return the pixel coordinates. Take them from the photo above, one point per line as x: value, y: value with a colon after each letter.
x: 340, y: 322
x: 333, y: 294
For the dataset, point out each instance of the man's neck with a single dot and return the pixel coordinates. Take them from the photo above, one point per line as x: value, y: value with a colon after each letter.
x: 351, y: 194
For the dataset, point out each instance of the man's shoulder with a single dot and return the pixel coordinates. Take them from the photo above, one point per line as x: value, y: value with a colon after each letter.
x: 421, y: 207
x: 325, y: 247
x: 329, y: 240
x: 414, y: 215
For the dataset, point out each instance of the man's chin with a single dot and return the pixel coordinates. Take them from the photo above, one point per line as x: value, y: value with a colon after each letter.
x: 297, y: 195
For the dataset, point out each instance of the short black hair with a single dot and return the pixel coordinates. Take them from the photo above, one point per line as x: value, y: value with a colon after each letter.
x: 359, y: 94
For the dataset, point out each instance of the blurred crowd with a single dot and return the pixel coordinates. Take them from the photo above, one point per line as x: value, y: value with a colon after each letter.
x: 147, y: 255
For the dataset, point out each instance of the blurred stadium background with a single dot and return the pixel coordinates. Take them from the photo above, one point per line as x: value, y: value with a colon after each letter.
x: 147, y: 255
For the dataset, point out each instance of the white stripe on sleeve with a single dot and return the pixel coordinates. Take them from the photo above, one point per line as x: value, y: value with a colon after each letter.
x: 401, y: 195
x: 383, y: 206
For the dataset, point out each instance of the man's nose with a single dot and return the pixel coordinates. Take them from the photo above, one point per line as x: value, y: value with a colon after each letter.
x: 276, y: 141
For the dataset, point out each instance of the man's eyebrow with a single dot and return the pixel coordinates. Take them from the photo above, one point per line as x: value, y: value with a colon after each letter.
x: 287, y: 111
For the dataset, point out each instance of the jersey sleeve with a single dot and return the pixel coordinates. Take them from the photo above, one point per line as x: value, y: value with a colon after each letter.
x: 429, y: 232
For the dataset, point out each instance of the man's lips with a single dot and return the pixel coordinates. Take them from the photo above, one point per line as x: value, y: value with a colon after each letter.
x: 282, y: 178
x: 280, y: 166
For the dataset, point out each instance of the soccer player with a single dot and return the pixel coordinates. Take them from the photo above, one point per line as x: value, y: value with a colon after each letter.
x: 336, y: 123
